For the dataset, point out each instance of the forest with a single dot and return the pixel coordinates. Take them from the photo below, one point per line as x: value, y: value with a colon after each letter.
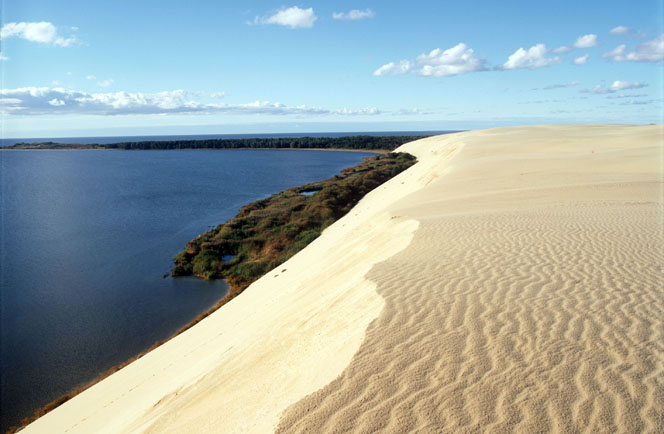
x: 385, y: 143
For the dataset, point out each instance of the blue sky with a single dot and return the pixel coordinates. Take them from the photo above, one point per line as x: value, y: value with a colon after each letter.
x: 164, y: 67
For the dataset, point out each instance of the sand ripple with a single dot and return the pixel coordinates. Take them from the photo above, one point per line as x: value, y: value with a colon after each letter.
x: 546, y: 320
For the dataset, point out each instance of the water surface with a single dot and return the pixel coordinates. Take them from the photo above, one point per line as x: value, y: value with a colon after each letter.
x: 86, y: 239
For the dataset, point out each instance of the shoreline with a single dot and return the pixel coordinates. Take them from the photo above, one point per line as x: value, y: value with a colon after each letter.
x: 372, y: 151
x: 343, y: 142
x: 54, y: 404
x: 441, y: 285
x: 236, y: 285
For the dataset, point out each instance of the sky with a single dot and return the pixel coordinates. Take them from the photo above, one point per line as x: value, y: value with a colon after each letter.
x: 88, y: 68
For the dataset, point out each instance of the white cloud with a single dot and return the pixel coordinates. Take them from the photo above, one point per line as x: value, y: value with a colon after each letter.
x: 394, y: 68
x: 622, y: 85
x: 459, y: 59
x: 617, y: 54
x: 585, y: 41
x: 56, y: 102
x: 90, y: 77
x: 353, y: 15
x: 3, y: 57
x: 534, y: 57
x: 559, y: 86
x: 370, y: 111
x: 581, y: 59
x: 620, y: 30
x: 293, y: 17
x: 43, y: 100
x: 106, y: 83
x: 42, y: 32
x: 617, y: 86
x: 650, y: 51
x: 562, y: 49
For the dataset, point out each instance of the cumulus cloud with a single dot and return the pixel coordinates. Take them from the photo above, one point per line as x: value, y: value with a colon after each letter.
x: 293, y: 17
x: 42, y: 32
x: 622, y: 85
x: 44, y: 100
x: 581, y: 59
x: 353, y: 15
x: 620, y: 30
x: 90, y: 77
x: 56, y: 102
x: 534, y: 57
x: 585, y: 41
x: 559, y: 86
x: 459, y: 59
x: 650, y: 51
x: 617, y: 86
x: 617, y: 54
x: 394, y: 68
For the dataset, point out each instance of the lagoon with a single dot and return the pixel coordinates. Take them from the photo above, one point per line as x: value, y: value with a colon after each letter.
x: 87, y: 237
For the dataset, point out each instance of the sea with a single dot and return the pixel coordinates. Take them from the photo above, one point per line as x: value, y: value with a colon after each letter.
x: 103, y: 140
x: 87, y: 244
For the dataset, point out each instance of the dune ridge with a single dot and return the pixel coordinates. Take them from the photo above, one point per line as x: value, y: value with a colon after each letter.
x: 522, y: 305
x: 290, y: 333
x: 510, y: 281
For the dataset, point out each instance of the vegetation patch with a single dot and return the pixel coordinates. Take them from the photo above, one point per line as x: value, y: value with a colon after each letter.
x: 269, y: 231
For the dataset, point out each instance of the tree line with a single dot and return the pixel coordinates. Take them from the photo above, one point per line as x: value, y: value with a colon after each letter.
x: 388, y: 143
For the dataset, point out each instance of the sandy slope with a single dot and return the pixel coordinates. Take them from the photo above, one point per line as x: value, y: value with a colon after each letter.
x: 511, y: 281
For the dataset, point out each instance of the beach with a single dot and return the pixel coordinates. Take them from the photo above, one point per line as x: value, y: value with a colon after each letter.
x: 510, y: 281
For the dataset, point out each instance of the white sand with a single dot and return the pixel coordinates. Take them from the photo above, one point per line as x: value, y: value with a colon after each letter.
x: 511, y: 281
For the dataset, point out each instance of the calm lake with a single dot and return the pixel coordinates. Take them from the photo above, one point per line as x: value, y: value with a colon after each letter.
x: 86, y: 239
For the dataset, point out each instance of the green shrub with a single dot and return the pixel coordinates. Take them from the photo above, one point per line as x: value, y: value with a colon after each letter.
x: 267, y: 232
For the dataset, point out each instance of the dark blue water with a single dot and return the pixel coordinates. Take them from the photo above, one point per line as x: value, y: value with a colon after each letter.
x: 86, y: 239
x: 119, y: 139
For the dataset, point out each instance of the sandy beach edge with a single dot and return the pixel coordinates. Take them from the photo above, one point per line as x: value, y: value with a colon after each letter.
x: 318, y: 277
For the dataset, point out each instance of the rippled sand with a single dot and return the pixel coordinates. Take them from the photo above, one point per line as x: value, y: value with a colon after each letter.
x: 511, y: 281
x: 530, y: 300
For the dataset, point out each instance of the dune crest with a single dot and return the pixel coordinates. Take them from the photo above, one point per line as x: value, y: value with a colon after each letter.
x: 530, y: 300
x: 287, y: 335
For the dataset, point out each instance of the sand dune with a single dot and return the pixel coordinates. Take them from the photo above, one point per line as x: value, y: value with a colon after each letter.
x: 511, y: 281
